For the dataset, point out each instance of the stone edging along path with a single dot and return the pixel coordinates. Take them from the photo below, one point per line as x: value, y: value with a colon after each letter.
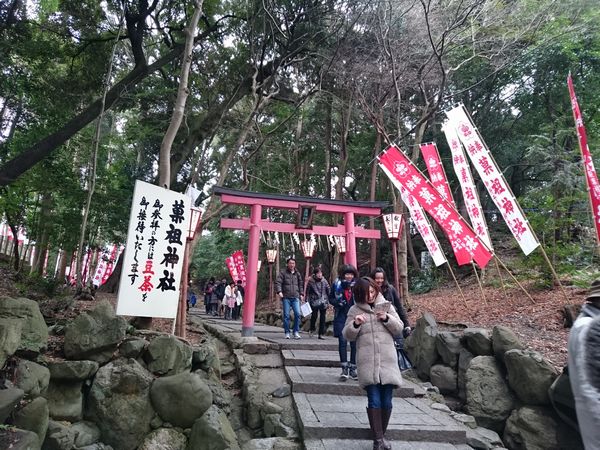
x: 329, y: 413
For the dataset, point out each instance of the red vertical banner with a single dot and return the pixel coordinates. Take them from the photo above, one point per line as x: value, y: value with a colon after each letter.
x: 240, y: 266
x: 229, y: 261
x: 588, y: 163
x: 405, y: 172
x: 437, y: 176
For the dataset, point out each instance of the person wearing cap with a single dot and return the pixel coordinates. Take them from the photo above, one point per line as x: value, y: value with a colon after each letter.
x: 342, y: 299
x: 584, y: 368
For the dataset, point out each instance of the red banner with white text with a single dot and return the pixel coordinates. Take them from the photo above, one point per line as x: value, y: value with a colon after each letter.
x: 467, y: 185
x: 404, y: 171
x: 240, y: 266
x: 588, y: 163
x: 437, y: 176
x: 229, y: 261
x: 492, y: 178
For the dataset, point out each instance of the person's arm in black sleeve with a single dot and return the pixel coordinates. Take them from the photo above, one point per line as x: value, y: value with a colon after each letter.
x: 400, y: 308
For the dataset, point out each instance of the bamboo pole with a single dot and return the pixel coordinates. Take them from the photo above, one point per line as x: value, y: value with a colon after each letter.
x: 516, y: 281
x: 502, y: 282
x: 554, y: 274
x: 479, y: 282
x: 458, y: 286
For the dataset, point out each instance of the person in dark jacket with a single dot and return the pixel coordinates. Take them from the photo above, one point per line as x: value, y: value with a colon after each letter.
x: 342, y: 299
x: 208, y: 293
x: 290, y: 289
x: 317, y: 292
x: 584, y: 368
x: 390, y: 293
x: 219, y: 293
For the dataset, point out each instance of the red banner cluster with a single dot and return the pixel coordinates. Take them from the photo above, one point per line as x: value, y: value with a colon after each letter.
x: 437, y: 176
x: 588, y: 163
x: 457, y: 229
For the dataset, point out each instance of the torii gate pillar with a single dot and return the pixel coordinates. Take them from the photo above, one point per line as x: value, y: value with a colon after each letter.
x: 252, y: 273
x: 350, y: 255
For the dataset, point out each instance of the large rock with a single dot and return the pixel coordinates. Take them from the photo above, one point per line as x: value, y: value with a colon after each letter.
x: 530, y: 376
x: 72, y: 370
x: 445, y: 378
x: 95, y: 335
x: 132, y: 347
x: 164, y: 439
x: 86, y: 433
x: 489, y: 399
x: 448, y: 347
x: 181, y: 399
x: 464, y: 359
x: 478, y: 341
x: 33, y: 378
x: 34, y: 417
x: 59, y: 437
x: 65, y: 400
x: 213, y: 431
x: 503, y: 340
x: 205, y: 356
x: 17, y: 439
x: 10, y: 338
x: 536, y: 428
x: 167, y: 355
x: 9, y: 398
x: 421, y: 345
x: 221, y: 397
x: 119, y: 403
x: 483, y: 439
x: 34, y: 332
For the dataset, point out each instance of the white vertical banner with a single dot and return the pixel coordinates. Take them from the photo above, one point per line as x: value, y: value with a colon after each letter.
x: 493, y: 178
x: 417, y: 214
x: 153, y: 260
x: 467, y: 185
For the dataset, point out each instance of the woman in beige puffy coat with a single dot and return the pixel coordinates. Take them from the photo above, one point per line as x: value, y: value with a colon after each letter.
x: 372, y: 322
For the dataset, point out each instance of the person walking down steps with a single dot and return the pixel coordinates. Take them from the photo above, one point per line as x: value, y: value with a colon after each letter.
x: 317, y: 292
x: 342, y: 299
x: 372, y: 323
x: 289, y: 287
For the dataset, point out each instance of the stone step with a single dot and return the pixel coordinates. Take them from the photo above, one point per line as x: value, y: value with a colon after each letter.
x: 305, y: 343
x: 326, y: 380
x: 363, y: 444
x: 326, y: 416
x: 303, y: 357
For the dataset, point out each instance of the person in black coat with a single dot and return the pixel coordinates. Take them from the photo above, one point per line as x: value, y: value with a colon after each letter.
x: 342, y: 299
x: 391, y: 295
x: 317, y: 292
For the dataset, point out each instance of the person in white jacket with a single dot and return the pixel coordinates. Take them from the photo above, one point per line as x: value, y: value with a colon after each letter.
x: 231, y: 299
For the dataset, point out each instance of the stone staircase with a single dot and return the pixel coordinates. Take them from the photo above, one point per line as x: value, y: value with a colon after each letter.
x: 332, y: 414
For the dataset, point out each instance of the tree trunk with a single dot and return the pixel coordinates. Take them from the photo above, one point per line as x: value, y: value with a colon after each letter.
x: 62, y: 267
x: 372, y: 192
x: 328, y: 144
x: 112, y: 284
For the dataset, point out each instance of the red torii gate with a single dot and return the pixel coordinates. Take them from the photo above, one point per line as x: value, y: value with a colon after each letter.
x: 255, y: 223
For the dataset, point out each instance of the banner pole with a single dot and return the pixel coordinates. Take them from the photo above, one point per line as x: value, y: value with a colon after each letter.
x: 502, y: 282
x: 479, y: 282
x: 554, y: 274
x: 515, y: 280
x: 459, y: 289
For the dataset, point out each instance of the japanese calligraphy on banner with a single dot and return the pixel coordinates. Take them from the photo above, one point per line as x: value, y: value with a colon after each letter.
x: 437, y: 176
x: 404, y: 171
x: 420, y: 220
x: 240, y: 266
x: 151, y: 277
x: 588, y: 163
x: 467, y: 186
x: 230, y: 262
x: 492, y: 178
